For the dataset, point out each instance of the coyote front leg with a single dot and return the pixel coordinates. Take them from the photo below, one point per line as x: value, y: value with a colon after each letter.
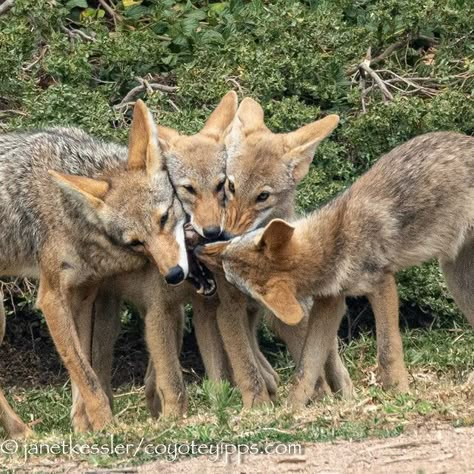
x: 9, y: 420
x: 233, y: 325
x: 164, y: 334
x: 268, y: 373
x: 59, y: 307
x: 384, y: 304
x: 98, y: 333
x: 324, y: 321
x: 209, y: 338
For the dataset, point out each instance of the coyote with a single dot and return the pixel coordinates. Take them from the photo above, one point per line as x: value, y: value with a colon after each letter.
x: 414, y: 204
x: 263, y: 170
x: 196, y: 166
x: 76, y: 211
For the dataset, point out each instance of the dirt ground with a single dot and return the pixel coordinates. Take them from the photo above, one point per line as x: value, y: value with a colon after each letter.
x: 435, y: 451
x: 447, y: 450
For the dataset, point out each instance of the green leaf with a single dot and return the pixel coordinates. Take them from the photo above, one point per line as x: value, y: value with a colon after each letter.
x: 76, y: 4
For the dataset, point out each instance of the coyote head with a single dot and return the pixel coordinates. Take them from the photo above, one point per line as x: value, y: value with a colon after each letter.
x: 263, y: 265
x: 264, y: 168
x: 136, y: 208
x: 196, y: 165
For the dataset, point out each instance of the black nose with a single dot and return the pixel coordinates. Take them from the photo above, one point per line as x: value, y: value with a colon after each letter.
x: 175, y: 276
x: 211, y: 233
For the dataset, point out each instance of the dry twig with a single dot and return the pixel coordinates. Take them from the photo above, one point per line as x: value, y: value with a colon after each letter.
x: 74, y: 34
x: 145, y: 86
x: 6, y: 5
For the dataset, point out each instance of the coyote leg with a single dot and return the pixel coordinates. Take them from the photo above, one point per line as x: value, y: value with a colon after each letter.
x: 164, y: 336
x: 209, y: 338
x: 233, y: 325
x: 97, y: 333
x: 9, y: 420
x: 384, y: 302
x: 59, y: 308
x: 323, y: 324
x: 268, y: 373
x: 336, y: 372
x: 459, y: 275
x: 153, y: 401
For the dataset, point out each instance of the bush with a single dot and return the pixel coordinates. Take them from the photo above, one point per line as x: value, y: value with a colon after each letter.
x: 70, y: 62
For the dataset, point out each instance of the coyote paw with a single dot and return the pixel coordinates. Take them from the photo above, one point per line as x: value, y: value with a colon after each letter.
x: 251, y: 399
x: 299, y: 396
x: 80, y: 420
x: 395, y: 379
x: 174, y: 409
x: 321, y: 389
x: 19, y: 430
x: 99, y: 419
x: 153, y: 403
x: 271, y: 383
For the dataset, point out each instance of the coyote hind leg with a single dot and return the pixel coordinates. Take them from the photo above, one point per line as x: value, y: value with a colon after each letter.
x: 384, y: 302
x: 459, y: 275
x: 9, y: 420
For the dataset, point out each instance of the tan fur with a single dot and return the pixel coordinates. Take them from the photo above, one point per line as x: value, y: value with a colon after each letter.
x: 197, y: 161
x: 9, y: 420
x: 259, y: 161
x: 83, y: 232
x: 414, y: 204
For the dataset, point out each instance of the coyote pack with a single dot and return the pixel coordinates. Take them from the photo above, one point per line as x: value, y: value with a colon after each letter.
x: 414, y: 204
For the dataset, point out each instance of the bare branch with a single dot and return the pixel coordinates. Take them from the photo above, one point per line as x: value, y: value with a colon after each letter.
x: 6, y: 5
x: 145, y: 86
x: 115, y: 16
x: 364, y: 66
x: 385, y: 54
x: 73, y: 34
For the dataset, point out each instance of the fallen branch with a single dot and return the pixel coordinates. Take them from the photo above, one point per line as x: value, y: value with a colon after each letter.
x: 6, y: 5
x: 74, y: 33
x: 385, y: 54
x: 145, y: 86
x: 115, y: 16
x: 364, y: 67
x: 37, y: 60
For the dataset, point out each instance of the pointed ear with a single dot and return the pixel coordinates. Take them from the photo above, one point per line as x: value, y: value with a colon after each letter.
x: 211, y: 254
x: 166, y: 136
x: 143, y: 148
x: 276, y: 235
x: 251, y: 114
x: 89, y: 191
x: 248, y: 119
x: 303, y: 143
x: 222, y: 116
x: 282, y: 302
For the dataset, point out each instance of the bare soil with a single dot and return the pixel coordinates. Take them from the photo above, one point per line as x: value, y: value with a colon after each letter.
x: 437, y: 450
x: 442, y: 450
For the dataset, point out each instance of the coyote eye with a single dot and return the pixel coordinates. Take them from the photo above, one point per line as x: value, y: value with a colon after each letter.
x: 136, y: 245
x: 220, y: 186
x: 189, y: 189
x: 263, y: 196
x: 231, y: 187
x: 164, y: 218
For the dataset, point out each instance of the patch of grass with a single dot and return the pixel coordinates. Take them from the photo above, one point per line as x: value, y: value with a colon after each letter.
x: 438, y: 361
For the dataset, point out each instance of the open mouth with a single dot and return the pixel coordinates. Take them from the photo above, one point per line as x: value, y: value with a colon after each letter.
x: 199, y: 275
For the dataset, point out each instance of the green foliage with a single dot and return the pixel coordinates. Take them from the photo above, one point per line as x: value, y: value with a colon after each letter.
x: 293, y: 56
